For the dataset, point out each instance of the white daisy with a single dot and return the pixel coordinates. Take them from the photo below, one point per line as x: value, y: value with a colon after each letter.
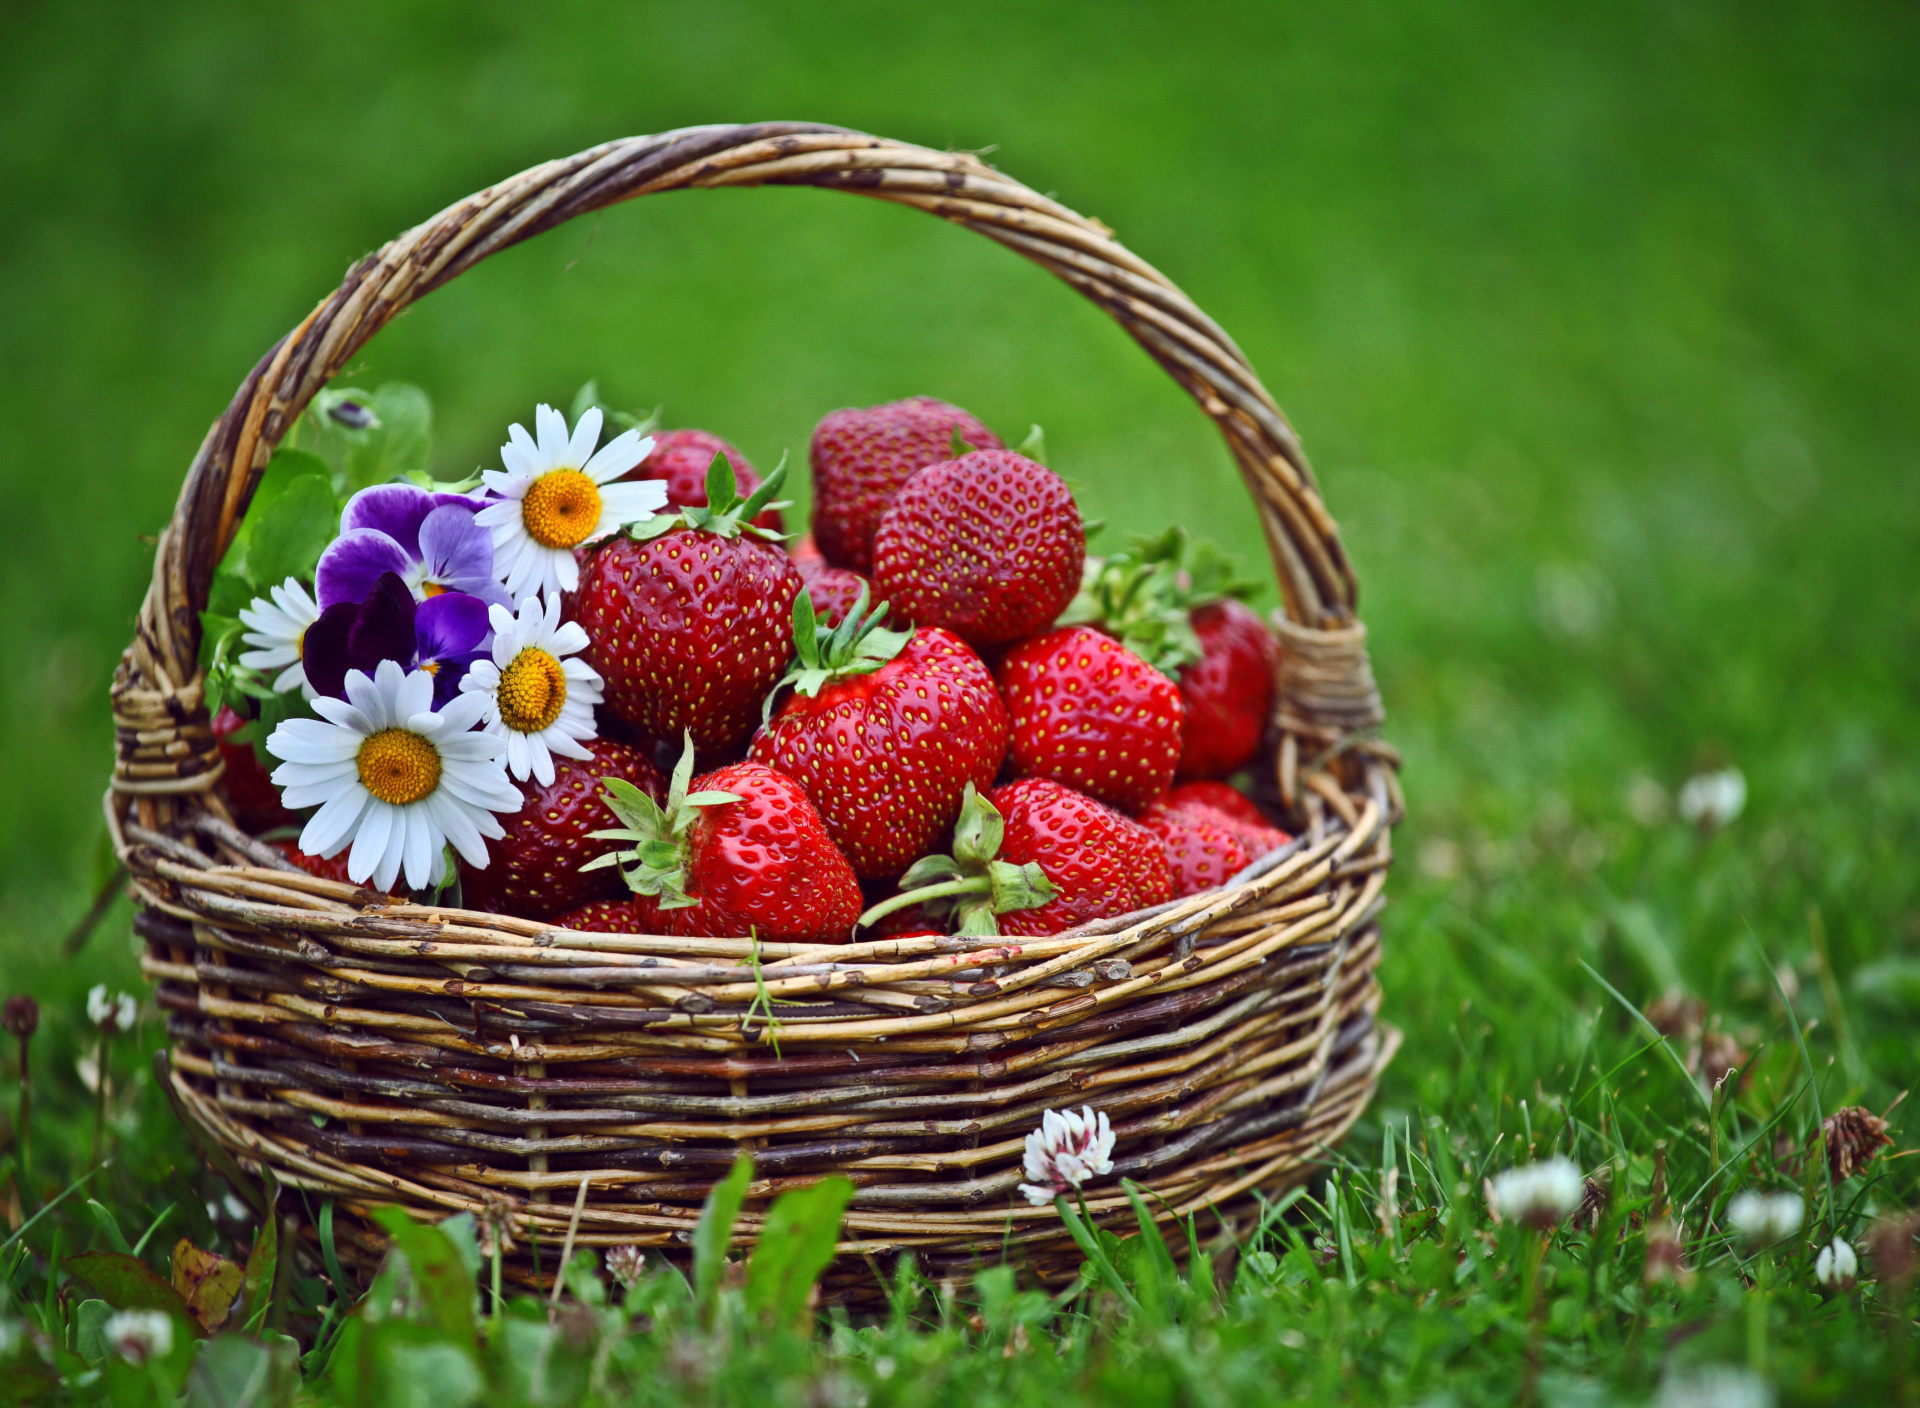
x: 396, y: 779
x: 278, y: 630
x: 553, y: 497
x: 537, y: 701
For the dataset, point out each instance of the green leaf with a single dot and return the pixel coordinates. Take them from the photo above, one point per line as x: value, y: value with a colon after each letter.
x: 400, y: 444
x: 233, y: 1371
x: 289, y: 536
x: 713, y: 1231
x: 263, y: 1262
x: 127, y: 1283
x: 209, y: 1282
x: 440, y: 1274
x: 722, y: 486
x: 90, y: 1330
x: 1034, y: 447
x: 795, y: 1246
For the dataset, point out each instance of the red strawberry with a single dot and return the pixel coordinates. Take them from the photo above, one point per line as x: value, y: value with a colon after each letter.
x: 250, y: 791
x: 534, y: 870
x: 683, y: 457
x: 1228, y: 691
x: 885, y: 730
x: 1090, y: 713
x: 1034, y: 858
x: 1176, y: 609
x: 1201, y: 851
x: 832, y: 590
x: 1218, y: 803
x: 688, y: 617
x: 989, y: 545
x: 741, y: 851
x: 325, y: 868
x: 861, y: 458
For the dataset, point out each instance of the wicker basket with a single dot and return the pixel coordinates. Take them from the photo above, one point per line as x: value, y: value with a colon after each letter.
x: 467, y: 1061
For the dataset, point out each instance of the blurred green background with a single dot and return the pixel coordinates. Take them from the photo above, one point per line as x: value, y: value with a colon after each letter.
x: 1598, y: 321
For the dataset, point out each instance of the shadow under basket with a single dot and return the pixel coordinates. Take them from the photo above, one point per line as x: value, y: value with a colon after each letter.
x: 375, y: 1052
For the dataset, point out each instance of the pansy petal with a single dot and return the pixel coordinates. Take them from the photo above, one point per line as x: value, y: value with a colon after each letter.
x: 393, y: 509
x: 354, y: 562
x: 450, y: 624
x: 383, y: 628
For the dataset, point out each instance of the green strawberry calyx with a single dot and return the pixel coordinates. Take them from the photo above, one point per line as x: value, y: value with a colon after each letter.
x: 725, y: 514
x: 972, y: 886
x: 1145, y: 595
x: 658, y: 850
x: 824, y: 652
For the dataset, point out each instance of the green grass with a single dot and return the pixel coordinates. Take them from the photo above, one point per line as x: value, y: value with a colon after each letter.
x: 1598, y: 322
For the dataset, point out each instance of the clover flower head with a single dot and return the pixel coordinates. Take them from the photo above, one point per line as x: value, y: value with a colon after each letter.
x: 625, y: 1264
x: 1065, y: 1152
x: 111, y: 1011
x: 1763, y: 1218
x: 1837, y: 1265
x: 1711, y: 800
x: 140, y: 1335
x: 1539, y: 1195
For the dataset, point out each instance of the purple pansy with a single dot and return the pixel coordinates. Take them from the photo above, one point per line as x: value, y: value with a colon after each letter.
x: 442, y: 635
x: 429, y: 541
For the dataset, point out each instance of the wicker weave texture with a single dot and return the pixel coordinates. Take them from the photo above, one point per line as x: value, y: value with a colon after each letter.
x: 376, y: 1051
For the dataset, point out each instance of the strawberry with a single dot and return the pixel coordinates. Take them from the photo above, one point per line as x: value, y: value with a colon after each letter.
x: 250, y: 791
x: 1219, y: 804
x: 1033, y: 858
x: 1228, y: 691
x: 885, y: 730
x: 682, y: 458
x: 989, y: 546
x: 833, y: 590
x: 1178, y: 610
x: 738, y: 850
x: 688, y: 614
x: 534, y: 870
x: 334, y: 868
x: 861, y: 458
x: 1088, y: 712
x: 1201, y: 851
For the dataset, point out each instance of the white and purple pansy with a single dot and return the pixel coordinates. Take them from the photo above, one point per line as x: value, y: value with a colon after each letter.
x: 442, y: 636
x: 429, y: 540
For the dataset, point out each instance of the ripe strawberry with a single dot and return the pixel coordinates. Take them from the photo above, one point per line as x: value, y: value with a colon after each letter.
x: 1228, y: 691
x: 1034, y: 858
x: 1089, y: 713
x: 861, y: 458
x: 682, y: 458
x: 1177, y: 610
x: 1201, y: 851
x: 250, y: 791
x: 833, y: 590
x: 688, y: 614
x: 885, y: 730
x: 1220, y: 805
x: 742, y: 851
x: 534, y: 870
x: 988, y: 545
x: 334, y: 868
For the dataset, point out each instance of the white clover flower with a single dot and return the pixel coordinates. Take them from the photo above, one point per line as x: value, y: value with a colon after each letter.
x: 556, y: 495
x: 1540, y: 1195
x: 1714, y: 1386
x: 537, y: 702
x: 1065, y: 1152
x: 1711, y: 800
x: 395, y: 778
x: 277, y: 629
x: 625, y: 1264
x: 1763, y: 1218
x: 1837, y: 1265
x: 111, y: 1011
x: 140, y: 1335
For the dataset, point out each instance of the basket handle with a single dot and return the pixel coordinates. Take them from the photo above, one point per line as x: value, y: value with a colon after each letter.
x: 158, y: 687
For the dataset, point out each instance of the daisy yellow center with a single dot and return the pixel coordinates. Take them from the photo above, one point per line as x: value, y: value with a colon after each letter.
x: 562, y: 506
x: 399, y: 766
x: 533, y: 690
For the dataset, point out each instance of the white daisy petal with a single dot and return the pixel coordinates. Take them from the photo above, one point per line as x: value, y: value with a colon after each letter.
x: 586, y: 434
x: 330, y: 827
x: 338, y: 711
x: 421, y: 841
x: 570, y: 639
x: 530, y: 452
x: 617, y: 456
x: 551, y: 427
x: 369, y: 852
x: 630, y: 501
x: 457, y: 826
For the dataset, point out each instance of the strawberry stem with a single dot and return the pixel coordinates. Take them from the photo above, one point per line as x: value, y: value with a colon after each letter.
x: 973, y: 883
x: 1145, y: 595
x: 661, y: 849
x: 725, y: 514
x: 823, y: 652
